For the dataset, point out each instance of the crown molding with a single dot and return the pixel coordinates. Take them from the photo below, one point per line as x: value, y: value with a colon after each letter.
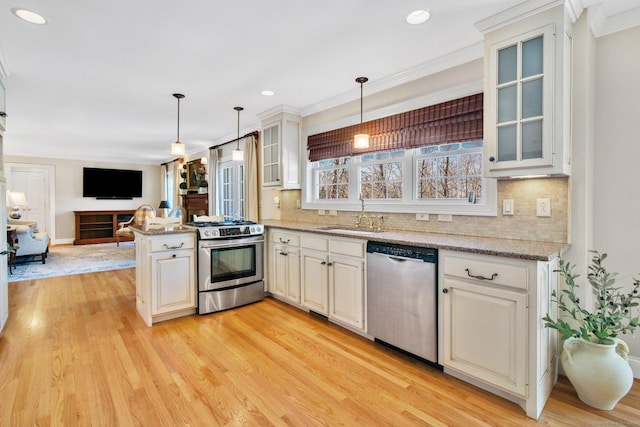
x: 515, y: 14
x: 602, y: 25
x: 277, y: 110
x: 445, y: 62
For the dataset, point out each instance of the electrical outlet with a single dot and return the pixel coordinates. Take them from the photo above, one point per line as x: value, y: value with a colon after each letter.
x: 333, y: 213
x: 543, y: 207
x: 321, y: 212
x: 422, y: 217
x: 445, y: 218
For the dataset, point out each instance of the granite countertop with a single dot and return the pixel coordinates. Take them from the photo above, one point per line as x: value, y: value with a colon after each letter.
x: 159, y: 230
x: 523, y: 249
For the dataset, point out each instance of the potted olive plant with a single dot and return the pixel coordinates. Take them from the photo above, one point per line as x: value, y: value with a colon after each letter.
x: 593, y: 357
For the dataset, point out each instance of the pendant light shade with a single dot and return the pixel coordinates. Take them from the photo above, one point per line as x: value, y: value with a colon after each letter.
x: 361, y: 140
x: 238, y: 155
x: 178, y: 148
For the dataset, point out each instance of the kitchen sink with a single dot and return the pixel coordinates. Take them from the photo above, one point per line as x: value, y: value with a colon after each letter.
x: 349, y: 230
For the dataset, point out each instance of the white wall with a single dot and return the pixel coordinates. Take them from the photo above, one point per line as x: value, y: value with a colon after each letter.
x: 616, y: 171
x: 68, y: 190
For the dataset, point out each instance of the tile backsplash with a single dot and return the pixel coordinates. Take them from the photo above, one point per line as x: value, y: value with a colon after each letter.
x: 522, y: 225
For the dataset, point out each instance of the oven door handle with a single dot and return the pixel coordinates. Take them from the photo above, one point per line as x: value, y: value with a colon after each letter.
x: 229, y: 243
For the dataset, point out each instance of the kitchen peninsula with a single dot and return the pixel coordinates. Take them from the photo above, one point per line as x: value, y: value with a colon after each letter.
x: 165, y: 272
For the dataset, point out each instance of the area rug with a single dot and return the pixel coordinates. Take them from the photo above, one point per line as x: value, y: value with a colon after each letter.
x: 66, y: 260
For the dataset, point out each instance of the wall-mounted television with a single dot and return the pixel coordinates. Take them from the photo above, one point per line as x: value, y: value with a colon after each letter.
x: 111, y: 183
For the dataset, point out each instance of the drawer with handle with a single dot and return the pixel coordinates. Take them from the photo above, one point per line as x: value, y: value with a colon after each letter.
x: 173, y: 242
x: 489, y: 270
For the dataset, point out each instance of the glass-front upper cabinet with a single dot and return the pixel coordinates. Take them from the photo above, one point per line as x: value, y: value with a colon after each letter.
x: 271, y: 155
x: 527, y: 125
x: 280, y: 142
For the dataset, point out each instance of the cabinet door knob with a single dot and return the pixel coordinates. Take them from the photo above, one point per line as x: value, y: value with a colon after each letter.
x: 492, y: 159
x: 330, y: 264
x: 445, y: 291
x: 173, y: 256
x: 323, y: 263
x: 3, y: 114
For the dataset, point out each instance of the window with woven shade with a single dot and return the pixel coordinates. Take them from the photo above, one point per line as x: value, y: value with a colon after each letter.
x: 451, y: 121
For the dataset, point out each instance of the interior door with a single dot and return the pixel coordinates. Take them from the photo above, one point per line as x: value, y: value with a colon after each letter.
x: 34, y: 182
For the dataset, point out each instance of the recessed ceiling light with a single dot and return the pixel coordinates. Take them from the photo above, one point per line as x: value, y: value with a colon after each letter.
x: 418, y: 16
x: 268, y: 92
x: 29, y: 16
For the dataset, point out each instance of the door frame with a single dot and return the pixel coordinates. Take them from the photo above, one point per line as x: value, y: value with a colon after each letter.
x: 50, y: 195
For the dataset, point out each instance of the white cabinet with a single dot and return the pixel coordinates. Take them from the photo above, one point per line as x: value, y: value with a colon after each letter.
x: 315, y: 280
x: 491, y: 332
x: 280, y: 142
x: 493, y: 348
x: 284, y: 265
x: 332, y: 271
x: 165, y: 276
x: 346, y: 290
x: 527, y: 96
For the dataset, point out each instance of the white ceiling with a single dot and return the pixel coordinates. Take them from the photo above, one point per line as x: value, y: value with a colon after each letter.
x: 96, y: 82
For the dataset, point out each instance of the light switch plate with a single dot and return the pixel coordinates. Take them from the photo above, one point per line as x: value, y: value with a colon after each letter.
x: 333, y: 213
x: 543, y: 207
x: 445, y: 218
x: 507, y: 207
x: 422, y: 217
x: 320, y: 212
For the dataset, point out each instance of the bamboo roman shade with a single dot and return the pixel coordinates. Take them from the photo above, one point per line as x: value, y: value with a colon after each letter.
x: 451, y: 121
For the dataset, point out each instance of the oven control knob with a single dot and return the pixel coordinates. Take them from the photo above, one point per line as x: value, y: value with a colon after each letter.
x: 207, y: 233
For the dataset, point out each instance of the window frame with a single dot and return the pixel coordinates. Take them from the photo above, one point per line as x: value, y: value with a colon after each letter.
x: 409, y: 203
x: 238, y: 190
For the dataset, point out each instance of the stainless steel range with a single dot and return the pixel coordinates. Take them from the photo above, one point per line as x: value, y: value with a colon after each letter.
x: 230, y: 264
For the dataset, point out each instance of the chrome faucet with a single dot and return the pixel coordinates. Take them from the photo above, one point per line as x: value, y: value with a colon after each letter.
x: 362, y: 216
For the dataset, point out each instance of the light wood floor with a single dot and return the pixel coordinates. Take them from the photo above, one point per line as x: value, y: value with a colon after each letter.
x: 75, y: 352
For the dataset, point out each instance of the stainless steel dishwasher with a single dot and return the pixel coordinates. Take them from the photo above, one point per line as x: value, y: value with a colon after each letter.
x: 401, y: 297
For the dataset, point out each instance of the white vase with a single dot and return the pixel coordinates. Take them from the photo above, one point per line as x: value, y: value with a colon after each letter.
x: 600, y: 373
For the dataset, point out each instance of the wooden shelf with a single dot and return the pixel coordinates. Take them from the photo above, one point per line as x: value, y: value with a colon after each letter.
x: 99, y: 226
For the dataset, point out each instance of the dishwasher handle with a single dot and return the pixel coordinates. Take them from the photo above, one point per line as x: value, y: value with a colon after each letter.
x: 402, y: 259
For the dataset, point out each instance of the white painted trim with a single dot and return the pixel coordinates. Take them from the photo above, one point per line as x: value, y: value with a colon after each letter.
x: 602, y: 25
x: 63, y: 242
x: 51, y: 171
x: 4, y: 67
x: 515, y: 14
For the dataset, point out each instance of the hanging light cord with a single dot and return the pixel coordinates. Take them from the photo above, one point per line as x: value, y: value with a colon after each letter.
x: 178, y: 136
x: 362, y: 81
x: 238, y: 109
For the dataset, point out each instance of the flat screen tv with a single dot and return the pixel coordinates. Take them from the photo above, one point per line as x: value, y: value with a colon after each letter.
x: 111, y: 183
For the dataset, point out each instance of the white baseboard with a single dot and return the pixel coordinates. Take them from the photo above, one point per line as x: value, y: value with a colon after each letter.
x: 63, y: 242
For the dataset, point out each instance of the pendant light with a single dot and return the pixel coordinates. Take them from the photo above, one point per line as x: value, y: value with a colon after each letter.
x: 177, y: 148
x: 361, y: 140
x: 238, y: 155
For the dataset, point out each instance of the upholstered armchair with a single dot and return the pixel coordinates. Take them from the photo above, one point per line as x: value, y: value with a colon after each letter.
x: 139, y: 218
x: 31, y: 243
